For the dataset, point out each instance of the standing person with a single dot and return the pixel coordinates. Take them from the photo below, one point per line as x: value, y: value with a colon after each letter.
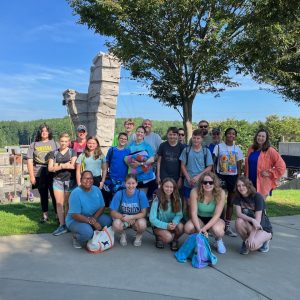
x: 128, y: 209
x: 195, y: 160
x: 203, y: 126
x: 116, y: 164
x: 140, y: 160
x: 263, y: 164
x: 92, y: 159
x: 80, y: 143
x: 181, y: 136
x: 229, y: 157
x: 206, y: 206
x: 252, y: 224
x: 168, y: 163
x: 37, y: 163
x: 62, y: 163
x: 216, y: 139
x: 128, y: 129
x: 86, y: 212
x: 165, y: 215
x: 152, y: 138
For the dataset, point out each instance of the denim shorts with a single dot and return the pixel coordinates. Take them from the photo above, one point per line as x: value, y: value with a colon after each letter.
x: 64, y: 186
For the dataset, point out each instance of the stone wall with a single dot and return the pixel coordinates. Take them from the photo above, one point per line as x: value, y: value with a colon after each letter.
x: 96, y: 109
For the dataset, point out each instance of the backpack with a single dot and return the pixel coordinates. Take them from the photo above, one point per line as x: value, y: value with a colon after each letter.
x: 187, y: 153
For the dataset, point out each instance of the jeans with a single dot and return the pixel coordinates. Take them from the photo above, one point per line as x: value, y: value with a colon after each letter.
x: 84, y: 232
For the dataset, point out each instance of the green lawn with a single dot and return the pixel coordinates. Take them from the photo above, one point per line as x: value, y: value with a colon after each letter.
x: 23, y: 218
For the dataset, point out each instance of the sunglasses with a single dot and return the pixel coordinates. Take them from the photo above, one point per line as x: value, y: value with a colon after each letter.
x: 205, y: 182
x: 203, y: 126
x: 181, y: 134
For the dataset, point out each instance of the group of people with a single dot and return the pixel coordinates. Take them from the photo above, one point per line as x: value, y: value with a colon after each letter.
x: 186, y: 185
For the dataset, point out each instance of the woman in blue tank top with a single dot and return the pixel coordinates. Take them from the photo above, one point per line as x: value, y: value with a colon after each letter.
x: 206, y: 206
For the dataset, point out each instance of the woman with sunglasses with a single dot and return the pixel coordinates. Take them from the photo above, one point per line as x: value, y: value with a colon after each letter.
x: 206, y: 206
x: 263, y: 164
x: 165, y: 215
x: 252, y: 224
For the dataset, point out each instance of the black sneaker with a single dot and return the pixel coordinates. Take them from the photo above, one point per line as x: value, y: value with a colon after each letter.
x: 244, y: 249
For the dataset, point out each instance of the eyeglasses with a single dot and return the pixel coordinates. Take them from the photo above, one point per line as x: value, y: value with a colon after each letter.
x: 181, y: 134
x: 205, y: 182
x: 203, y: 126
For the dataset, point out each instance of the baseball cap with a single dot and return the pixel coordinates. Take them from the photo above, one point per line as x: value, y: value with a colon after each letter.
x: 216, y: 130
x: 81, y: 128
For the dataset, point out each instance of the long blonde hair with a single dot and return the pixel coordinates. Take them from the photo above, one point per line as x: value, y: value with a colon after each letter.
x: 217, y: 190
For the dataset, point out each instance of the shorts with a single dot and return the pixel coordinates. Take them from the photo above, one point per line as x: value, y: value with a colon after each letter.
x: 205, y: 220
x: 228, y: 182
x: 64, y: 186
x: 186, y: 191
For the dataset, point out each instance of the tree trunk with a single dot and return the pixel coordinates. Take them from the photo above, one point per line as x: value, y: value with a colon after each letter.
x: 187, y: 119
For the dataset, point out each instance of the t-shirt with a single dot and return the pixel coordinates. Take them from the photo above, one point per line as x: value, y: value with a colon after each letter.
x: 196, y: 162
x: 84, y: 203
x: 228, y: 156
x: 154, y: 140
x: 40, y: 153
x: 117, y: 166
x: 129, y: 205
x: 63, y: 175
x: 91, y: 164
x: 170, y: 163
x: 77, y: 147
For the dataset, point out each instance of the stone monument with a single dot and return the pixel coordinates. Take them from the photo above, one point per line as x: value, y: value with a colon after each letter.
x: 96, y: 109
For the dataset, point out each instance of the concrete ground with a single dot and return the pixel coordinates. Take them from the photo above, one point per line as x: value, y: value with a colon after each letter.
x: 47, y: 267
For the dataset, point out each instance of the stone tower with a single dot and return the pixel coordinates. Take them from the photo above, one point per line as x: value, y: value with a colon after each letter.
x: 96, y: 109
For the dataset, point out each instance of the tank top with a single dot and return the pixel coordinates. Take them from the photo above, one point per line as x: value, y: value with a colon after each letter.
x: 206, y: 210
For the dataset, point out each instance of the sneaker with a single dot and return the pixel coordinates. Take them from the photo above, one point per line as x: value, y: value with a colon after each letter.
x: 123, y: 240
x: 43, y: 220
x: 229, y: 232
x: 219, y: 245
x: 265, y: 247
x: 138, y: 240
x: 76, y: 244
x: 174, y: 245
x: 60, y: 230
x: 244, y: 249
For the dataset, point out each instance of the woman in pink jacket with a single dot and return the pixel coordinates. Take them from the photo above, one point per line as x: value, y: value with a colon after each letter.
x: 263, y: 164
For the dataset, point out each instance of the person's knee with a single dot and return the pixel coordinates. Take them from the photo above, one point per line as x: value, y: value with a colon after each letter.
x: 84, y: 233
x: 105, y: 220
x: 179, y: 229
x: 117, y: 225
x: 166, y: 237
x: 189, y: 228
x: 141, y: 225
x: 218, y: 230
x: 240, y: 224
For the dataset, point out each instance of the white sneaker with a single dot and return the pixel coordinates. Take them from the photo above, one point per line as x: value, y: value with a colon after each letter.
x: 123, y: 239
x: 76, y: 244
x: 219, y: 245
x: 138, y: 240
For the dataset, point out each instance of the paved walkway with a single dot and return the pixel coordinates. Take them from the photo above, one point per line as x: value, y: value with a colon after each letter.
x: 47, y: 267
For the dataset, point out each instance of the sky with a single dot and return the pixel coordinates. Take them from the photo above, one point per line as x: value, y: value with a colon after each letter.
x: 43, y: 51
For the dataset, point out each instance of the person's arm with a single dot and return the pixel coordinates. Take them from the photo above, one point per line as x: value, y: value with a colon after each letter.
x: 239, y: 167
x: 194, y: 210
x: 104, y: 173
x: 31, y: 170
x: 154, y: 218
x: 178, y: 216
x: 217, y: 214
x: 195, y: 179
x: 158, y: 170
x: 54, y: 167
x: 252, y: 221
x: 278, y: 166
x: 185, y: 172
x: 70, y: 165
x: 78, y: 173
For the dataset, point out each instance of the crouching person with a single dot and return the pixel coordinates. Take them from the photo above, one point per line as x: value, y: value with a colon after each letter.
x: 129, y: 209
x: 86, y: 211
x: 252, y: 224
x: 165, y: 215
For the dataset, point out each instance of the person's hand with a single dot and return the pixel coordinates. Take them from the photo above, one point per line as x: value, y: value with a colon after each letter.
x: 32, y: 180
x: 127, y: 218
x: 171, y: 226
x: 250, y: 243
x: 179, y: 182
x: 134, y: 164
x: 97, y: 226
x: 101, y: 185
x: 158, y: 181
x: 265, y: 174
x: 256, y: 224
x: 203, y: 231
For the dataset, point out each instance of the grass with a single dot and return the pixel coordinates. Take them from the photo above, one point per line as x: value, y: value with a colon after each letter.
x: 23, y: 218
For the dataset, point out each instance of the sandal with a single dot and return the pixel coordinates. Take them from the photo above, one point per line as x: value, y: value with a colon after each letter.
x: 174, y: 245
x: 159, y: 244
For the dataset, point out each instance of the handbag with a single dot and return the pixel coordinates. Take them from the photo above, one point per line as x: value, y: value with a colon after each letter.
x: 101, y: 240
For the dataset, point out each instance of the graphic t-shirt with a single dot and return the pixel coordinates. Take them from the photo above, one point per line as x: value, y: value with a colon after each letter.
x: 63, y: 175
x: 129, y: 205
x: 40, y: 153
x: 170, y: 163
x: 227, y: 157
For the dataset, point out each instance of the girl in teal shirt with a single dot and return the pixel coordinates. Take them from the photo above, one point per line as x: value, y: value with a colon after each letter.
x: 165, y: 215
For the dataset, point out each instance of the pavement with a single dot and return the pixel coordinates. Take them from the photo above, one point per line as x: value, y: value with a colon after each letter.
x: 47, y: 267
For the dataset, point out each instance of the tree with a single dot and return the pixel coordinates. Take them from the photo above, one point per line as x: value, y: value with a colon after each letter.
x: 274, y: 40
x: 177, y: 48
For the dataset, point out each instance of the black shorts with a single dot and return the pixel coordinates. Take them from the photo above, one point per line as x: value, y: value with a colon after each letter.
x: 205, y: 220
x: 228, y: 182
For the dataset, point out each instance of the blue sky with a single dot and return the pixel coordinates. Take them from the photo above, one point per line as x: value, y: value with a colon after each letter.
x: 44, y: 52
